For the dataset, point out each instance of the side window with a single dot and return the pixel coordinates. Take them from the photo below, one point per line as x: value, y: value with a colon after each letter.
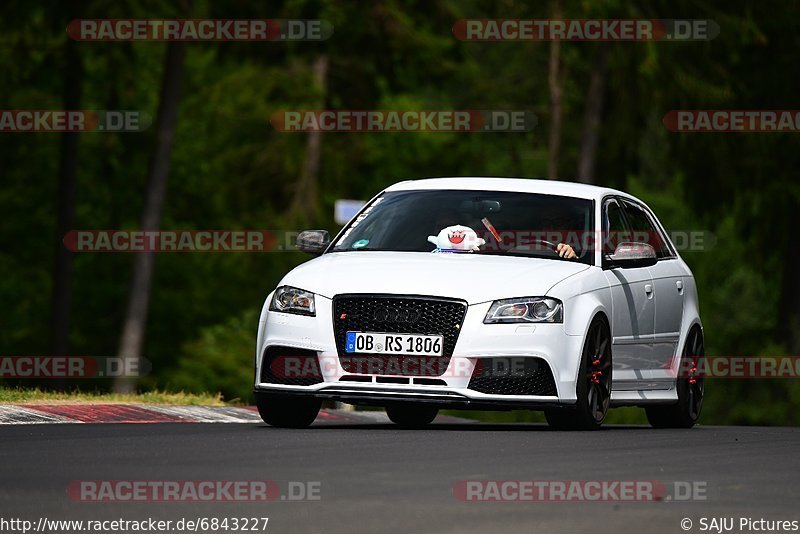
x: 644, y: 230
x: 614, y: 226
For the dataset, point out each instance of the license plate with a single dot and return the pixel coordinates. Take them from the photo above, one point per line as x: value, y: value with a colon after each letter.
x: 383, y: 343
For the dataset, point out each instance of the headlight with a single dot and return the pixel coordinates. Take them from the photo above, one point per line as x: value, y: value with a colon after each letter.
x: 525, y: 310
x: 289, y: 299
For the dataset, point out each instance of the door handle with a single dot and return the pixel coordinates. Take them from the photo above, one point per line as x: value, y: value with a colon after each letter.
x: 679, y: 285
x: 648, y: 288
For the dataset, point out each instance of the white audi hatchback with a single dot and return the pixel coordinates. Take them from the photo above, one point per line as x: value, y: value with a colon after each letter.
x: 486, y: 293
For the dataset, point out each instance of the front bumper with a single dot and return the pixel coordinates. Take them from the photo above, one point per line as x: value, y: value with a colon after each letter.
x: 443, y: 399
x: 477, y: 343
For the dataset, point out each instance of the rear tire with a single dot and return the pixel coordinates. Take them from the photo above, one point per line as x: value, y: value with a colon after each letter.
x: 411, y: 415
x: 286, y: 411
x: 690, y: 386
x: 593, y: 388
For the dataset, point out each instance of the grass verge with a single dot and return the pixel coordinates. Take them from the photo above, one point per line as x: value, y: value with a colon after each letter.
x: 34, y: 396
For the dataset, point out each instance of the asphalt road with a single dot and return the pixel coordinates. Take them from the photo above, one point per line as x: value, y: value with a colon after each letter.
x: 377, y: 478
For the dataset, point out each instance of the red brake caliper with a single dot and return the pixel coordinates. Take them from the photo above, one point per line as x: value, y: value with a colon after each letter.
x: 693, y: 370
x: 596, y: 374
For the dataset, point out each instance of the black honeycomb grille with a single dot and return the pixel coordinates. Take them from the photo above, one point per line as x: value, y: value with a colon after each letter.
x: 400, y: 315
x: 290, y: 366
x: 513, y: 376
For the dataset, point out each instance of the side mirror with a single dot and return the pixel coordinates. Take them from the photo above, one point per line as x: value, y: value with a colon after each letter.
x: 313, y: 241
x: 628, y: 255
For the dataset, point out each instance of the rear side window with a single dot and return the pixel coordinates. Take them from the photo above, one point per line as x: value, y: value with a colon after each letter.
x: 644, y: 229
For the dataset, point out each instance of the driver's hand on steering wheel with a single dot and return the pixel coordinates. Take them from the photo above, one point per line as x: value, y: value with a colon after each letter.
x: 566, y: 251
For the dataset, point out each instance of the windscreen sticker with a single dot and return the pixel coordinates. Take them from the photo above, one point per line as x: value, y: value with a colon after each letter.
x: 361, y: 243
x: 344, y: 236
x: 456, y: 238
x: 357, y: 221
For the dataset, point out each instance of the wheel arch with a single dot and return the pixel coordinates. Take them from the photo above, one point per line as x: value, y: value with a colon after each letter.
x: 261, y: 334
x: 691, y: 320
x: 580, y: 311
x: 582, y: 318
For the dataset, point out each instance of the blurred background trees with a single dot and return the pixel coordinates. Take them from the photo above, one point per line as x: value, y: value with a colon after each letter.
x: 602, y: 104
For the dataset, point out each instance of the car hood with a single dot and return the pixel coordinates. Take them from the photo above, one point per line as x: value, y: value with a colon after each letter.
x: 472, y: 277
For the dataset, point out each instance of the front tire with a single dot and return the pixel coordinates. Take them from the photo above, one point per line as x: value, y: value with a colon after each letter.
x: 593, y: 388
x: 410, y: 415
x: 287, y: 411
x: 691, y: 389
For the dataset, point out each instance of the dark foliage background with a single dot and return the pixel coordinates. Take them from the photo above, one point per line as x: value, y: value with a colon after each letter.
x: 230, y: 169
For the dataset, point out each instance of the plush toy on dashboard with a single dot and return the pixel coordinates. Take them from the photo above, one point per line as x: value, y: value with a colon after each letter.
x: 456, y: 238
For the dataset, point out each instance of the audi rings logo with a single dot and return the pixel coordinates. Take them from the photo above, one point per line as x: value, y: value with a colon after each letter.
x: 386, y: 315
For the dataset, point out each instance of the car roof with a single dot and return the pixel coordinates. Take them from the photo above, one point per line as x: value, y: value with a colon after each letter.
x: 520, y: 185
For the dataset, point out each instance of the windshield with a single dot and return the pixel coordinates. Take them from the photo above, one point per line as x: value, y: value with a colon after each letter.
x: 504, y: 223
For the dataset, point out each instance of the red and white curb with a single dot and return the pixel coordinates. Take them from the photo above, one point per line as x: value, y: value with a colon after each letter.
x: 31, y: 414
x: 38, y: 414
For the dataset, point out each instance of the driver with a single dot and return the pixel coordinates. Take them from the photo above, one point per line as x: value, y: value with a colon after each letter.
x: 566, y: 251
x: 550, y: 220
